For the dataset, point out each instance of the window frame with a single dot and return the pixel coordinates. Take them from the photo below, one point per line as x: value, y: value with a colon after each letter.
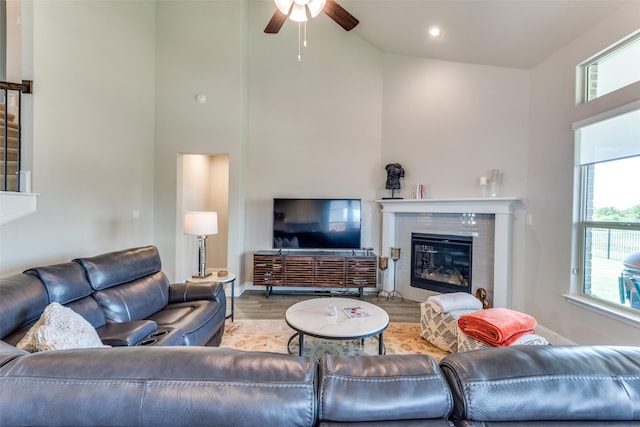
x: 584, y: 67
x: 576, y: 294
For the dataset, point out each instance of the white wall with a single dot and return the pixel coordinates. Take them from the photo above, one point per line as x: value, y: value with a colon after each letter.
x: 550, y: 183
x: 219, y: 202
x: 315, y: 126
x: 91, y: 120
x: 200, y: 49
x: 449, y: 123
x: 13, y: 54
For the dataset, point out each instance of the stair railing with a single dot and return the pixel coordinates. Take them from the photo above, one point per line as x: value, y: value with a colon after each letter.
x: 25, y: 87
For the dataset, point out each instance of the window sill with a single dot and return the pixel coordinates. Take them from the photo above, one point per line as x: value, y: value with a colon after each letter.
x: 618, y: 314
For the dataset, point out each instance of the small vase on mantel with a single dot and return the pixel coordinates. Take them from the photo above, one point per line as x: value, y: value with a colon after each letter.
x: 496, y: 182
x: 484, y: 184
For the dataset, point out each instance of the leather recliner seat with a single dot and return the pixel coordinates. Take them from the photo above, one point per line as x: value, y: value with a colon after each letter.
x: 123, y: 294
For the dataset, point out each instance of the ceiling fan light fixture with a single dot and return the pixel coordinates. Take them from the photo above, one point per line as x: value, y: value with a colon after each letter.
x: 316, y: 6
x: 298, y: 13
x: 284, y: 6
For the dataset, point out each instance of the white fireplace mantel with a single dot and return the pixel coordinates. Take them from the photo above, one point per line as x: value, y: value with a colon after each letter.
x: 501, y: 207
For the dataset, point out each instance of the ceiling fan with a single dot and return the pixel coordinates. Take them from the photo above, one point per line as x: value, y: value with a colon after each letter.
x: 296, y: 10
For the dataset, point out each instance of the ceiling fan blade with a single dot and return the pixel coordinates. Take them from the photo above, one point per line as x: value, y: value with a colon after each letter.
x: 340, y: 15
x: 276, y: 22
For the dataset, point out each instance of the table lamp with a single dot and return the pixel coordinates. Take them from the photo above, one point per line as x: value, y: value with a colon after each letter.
x: 201, y: 224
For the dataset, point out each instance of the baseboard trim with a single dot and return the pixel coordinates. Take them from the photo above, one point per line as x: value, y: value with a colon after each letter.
x: 553, y: 337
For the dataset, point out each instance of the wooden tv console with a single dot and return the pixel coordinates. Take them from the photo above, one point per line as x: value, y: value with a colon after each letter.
x: 314, y: 269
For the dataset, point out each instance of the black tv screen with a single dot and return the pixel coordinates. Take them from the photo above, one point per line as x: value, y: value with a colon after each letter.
x: 316, y: 223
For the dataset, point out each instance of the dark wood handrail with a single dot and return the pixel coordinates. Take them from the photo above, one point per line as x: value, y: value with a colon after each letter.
x: 25, y: 87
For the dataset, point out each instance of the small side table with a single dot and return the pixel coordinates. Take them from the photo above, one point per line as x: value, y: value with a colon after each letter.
x: 230, y: 278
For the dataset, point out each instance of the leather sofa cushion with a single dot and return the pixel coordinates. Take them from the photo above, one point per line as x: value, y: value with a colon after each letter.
x: 376, y: 388
x: 136, y: 300
x: 89, y: 309
x: 9, y: 352
x: 23, y: 298
x: 198, y: 320
x: 116, y: 268
x: 65, y: 282
x: 536, y: 383
x: 158, y: 386
x: 399, y: 423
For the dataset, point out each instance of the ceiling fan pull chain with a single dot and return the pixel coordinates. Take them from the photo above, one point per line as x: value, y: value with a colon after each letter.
x: 305, y: 34
x: 299, y: 55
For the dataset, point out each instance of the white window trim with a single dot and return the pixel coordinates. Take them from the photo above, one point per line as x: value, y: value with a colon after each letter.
x: 591, y: 304
x: 582, y: 90
x: 606, y: 115
x: 575, y: 295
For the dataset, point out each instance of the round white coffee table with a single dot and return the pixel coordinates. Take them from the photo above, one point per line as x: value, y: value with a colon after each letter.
x: 353, y: 319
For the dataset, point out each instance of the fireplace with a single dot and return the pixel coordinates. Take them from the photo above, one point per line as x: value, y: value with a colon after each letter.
x: 441, y: 263
x: 493, y: 236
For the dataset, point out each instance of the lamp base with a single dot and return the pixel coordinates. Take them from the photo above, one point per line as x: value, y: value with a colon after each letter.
x: 198, y: 276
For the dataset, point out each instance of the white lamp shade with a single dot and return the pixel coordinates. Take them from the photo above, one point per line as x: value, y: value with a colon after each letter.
x: 200, y: 223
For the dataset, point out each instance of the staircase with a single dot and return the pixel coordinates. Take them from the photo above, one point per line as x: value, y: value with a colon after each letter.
x: 9, y: 149
x: 15, y: 203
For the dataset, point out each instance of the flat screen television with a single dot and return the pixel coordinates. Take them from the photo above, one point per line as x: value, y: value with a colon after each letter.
x: 316, y: 223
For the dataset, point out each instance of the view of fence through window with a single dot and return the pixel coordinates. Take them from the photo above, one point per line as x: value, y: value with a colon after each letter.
x: 612, y: 228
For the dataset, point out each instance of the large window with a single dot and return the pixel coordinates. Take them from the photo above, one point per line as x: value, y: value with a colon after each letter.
x: 608, y: 166
x: 613, y: 69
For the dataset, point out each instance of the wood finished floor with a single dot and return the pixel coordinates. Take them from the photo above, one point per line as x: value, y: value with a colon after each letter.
x: 255, y: 305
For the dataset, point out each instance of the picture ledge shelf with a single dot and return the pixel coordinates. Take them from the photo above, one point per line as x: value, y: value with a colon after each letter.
x: 15, y: 205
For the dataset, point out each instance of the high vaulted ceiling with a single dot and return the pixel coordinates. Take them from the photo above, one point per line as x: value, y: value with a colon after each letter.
x: 505, y: 33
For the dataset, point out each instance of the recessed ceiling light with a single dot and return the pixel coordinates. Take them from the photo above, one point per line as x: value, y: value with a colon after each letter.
x: 435, y: 31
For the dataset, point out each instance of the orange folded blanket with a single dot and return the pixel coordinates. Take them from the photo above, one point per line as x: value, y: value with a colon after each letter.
x: 497, y: 327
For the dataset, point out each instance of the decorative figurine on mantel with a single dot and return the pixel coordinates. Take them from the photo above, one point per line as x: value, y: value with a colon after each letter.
x: 394, y: 173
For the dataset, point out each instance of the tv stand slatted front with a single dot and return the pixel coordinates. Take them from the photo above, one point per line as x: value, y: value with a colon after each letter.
x: 311, y: 269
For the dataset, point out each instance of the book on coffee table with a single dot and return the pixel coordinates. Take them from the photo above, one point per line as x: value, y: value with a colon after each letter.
x: 355, y: 312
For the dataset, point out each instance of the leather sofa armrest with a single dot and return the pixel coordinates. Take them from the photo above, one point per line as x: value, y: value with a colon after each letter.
x: 183, y: 292
x: 372, y: 388
x: 127, y: 333
x: 552, y: 383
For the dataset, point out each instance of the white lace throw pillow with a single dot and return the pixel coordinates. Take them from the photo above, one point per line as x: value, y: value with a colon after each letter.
x: 60, y: 328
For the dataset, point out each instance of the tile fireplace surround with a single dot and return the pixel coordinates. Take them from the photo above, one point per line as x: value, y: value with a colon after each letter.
x: 488, y: 220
